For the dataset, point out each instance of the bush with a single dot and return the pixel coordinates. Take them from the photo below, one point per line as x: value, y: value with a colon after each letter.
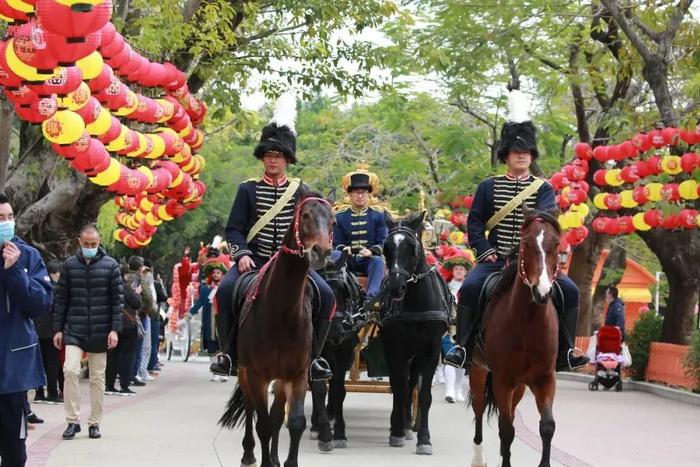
x: 692, y: 363
x: 646, y: 330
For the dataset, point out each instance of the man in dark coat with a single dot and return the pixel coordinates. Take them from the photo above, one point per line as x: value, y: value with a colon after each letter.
x: 361, y: 230
x: 616, y: 310
x: 87, y: 318
x: 517, y: 150
x: 260, y: 217
x: 25, y: 294
x: 50, y: 355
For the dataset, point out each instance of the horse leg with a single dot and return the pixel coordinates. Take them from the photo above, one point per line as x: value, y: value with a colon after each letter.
x: 506, y: 430
x: 343, y: 361
x: 320, y: 426
x: 544, y: 396
x: 296, y: 421
x: 398, y: 380
x: 276, y: 420
x: 412, y: 409
x: 477, y: 394
x: 258, y: 395
x: 248, y: 459
x: 426, y: 367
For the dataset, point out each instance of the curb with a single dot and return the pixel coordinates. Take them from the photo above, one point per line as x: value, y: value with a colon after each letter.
x: 677, y: 395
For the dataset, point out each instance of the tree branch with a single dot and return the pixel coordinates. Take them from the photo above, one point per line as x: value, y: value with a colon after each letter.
x: 431, y: 154
x: 66, y: 189
x: 651, y: 34
x: 464, y: 107
x: 621, y: 20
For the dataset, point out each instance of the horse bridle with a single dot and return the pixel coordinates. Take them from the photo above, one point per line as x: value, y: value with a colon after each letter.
x: 521, y: 261
x: 300, y: 251
x: 410, y: 276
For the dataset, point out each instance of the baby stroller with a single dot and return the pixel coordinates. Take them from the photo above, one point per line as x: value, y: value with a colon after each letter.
x: 608, y: 359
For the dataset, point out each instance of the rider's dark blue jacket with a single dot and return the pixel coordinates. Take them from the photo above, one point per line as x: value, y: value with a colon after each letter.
x: 363, y: 229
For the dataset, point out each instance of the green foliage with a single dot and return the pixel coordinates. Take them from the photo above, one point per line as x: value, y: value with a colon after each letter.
x: 692, y: 363
x: 646, y: 330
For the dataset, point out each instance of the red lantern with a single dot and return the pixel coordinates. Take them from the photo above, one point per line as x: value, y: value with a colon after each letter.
x: 103, y: 80
x: 670, y: 136
x: 113, y: 47
x: 642, y: 142
x: 175, y: 78
x: 132, y: 66
x: 657, y: 139
x: 654, y: 165
x: 92, y: 160
x: 642, y: 169
x: 90, y: 111
x: 467, y: 201
x: 113, y: 133
x: 155, y: 76
x: 670, y: 192
x: 132, y: 143
x: 20, y: 96
x: 39, y: 109
x: 31, y: 47
x: 64, y: 82
x: 689, y: 162
x: 120, y: 58
x: 629, y: 173
x: 8, y: 12
x: 688, y: 219
x: 66, y: 21
x: 628, y: 150
x: 69, y: 50
x: 576, y: 196
x: 599, y: 177
x: 613, y: 201
x: 640, y: 194
x: 612, y: 226
x: 584, y: 151
x: 615, y: 152
x: 626, y: 225
x: 559, y: 181
x: 670, y: 222
x: 653, y: 217
x: 688, y: 136
x: 600, y: 153
x: 458, y: 219
x: 599, y: 224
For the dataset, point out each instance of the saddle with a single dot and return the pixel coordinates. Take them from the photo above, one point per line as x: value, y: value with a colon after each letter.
x: 353, y: 315
x: 242, y: 303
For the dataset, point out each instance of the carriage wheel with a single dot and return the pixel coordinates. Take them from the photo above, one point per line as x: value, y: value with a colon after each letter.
x: 168, y: 347
x: 593, y: 386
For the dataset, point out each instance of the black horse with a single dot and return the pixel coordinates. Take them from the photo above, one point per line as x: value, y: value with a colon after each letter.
x: 415, y: 304
x: 339, y: 351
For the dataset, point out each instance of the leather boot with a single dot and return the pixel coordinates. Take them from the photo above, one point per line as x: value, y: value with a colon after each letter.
x: 225, y: 363
x: 71, y: 431
x: 566, y: 360
x: 320, y: 369
x: 460, y: 355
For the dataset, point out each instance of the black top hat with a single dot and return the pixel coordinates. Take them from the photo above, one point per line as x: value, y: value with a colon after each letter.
x: 359, y: 181
x: 518, y: 133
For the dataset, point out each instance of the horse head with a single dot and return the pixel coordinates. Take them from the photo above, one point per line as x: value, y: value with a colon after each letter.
x: 404, y: 253
x: 312, y: 229
x: 538, y: 257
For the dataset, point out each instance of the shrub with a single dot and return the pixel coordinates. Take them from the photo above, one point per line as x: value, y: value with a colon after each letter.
x: 646, y: 330
x: 692, y: 363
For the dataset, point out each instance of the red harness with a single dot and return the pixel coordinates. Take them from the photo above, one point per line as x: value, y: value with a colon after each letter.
x: 299, y: 251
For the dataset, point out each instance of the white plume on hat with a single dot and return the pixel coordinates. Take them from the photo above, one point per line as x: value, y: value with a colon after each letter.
x: 216, y: 243
x: 285, y: 113
x: 518, y: 107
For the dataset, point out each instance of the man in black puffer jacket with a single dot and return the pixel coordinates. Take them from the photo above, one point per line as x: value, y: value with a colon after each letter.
x: 87, y: 317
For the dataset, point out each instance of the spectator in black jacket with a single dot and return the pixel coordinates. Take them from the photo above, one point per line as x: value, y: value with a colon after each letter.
x: 616, y: 310
x: 87, y: 317
x: 120, y: 360
x: 49, y: 353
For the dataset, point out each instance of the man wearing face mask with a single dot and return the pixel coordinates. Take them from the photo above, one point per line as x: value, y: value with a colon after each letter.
x: 25, y: 293
x: 87, y: 317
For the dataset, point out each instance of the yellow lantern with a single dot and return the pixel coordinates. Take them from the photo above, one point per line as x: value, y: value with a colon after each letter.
x: 599, y: 201
x: 457, y: 237
x: 582, y: 209
x: 612, y: 177
x: 65, y: 127
x: 177, y: 180
x: 21, y: 69
x: 626, y: 199
x: 145, y: 242
x: 189, y: 167
x: 671, y: 165
x: 145, y: 205
x: 158, y: 147
x: 77, y: 99
x: 573, y: 219
x: 19, y: 5
x: 654, y: 191
x: 688, y: 189
x: 153, y: 220
x: 102, y: 124
x: 132, y: 104
x: 639, y: 223
x: 148, y: 173
x: 119, y: 142
x: 109, y: 176
x: 91, y: 66
x: 140, y: 148
x: 139, y: 216
x: 203, y: 164
x: 163, y: 214
x: 115, y: 235
x: 562, y: 222
x: 168, y: 111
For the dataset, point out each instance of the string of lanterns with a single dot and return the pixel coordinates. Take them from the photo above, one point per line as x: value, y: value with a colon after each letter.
x: 62, y: 65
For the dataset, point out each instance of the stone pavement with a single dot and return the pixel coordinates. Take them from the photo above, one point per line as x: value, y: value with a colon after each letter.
x: 172, y: 422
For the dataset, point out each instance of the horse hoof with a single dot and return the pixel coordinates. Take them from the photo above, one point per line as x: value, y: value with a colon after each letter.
x: 397, y: 441
x: 325, y: 446
x: 254, y: 464
x: 341, y: 443
x: 424, y: 450
x: 409, y: 435
x: 313, y: 435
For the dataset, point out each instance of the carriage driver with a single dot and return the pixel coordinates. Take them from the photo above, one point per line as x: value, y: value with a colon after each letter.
x: 518, y: 148
x: 360, y: 229
x: 260, y: 217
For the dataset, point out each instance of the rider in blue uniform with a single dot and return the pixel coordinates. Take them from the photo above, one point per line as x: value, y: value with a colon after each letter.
x: 517, y: 150
x: 361, y: 230
x: 255, y: 234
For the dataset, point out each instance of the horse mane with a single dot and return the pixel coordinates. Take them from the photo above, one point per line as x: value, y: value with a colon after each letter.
x: 510, y: 271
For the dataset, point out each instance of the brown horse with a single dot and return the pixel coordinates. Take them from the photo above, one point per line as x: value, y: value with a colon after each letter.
x: 276, y: 337
x: 520, y: 338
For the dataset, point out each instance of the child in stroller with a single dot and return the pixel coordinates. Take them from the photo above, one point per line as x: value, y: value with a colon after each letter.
x: 608, y: 358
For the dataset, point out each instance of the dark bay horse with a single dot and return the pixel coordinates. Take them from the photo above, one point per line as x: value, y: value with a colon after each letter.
x: 339, y: 351
x: 276, y: 337
x: 414, y: 319
x: 520, y: 340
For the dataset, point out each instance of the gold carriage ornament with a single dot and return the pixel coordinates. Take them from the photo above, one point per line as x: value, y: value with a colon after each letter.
x: 374, y: 201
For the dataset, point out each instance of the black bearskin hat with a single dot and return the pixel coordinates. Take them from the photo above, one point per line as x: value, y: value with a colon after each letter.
x: 279, y: 134
x: 518, y: 132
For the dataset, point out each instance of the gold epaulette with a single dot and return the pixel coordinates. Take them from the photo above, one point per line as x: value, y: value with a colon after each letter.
x: 252, y: 179
x: 338, y: 208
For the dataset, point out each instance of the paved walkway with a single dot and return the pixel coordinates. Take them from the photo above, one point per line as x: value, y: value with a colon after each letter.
x: 172, y: 422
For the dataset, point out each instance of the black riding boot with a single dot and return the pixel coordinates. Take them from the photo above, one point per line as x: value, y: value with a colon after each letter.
x: 460, y: 355
x: 320, y: 369
x: 566, y: 360
x: 226, y: 362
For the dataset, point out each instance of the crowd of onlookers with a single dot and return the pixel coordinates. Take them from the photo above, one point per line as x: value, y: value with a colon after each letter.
x: 87, y: 315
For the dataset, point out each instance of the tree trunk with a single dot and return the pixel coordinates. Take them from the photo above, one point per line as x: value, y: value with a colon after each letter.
x: 613, y: 269
x: 6, y: 119
x: 583, y: 263
x: 679, y: 254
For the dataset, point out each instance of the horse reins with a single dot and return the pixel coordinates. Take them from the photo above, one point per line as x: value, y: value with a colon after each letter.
x: 411, y: 276
x: 521, y: 261
x: 300, y: 251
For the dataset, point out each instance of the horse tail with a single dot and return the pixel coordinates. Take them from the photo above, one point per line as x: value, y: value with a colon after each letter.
x: 234, y: 416
x: 491, y: 407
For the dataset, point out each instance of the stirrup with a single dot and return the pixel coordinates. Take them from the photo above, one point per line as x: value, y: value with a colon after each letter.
x: 323, y: 366
x: 216, y: 369
x: 570, y: 356
x: 458, y: 362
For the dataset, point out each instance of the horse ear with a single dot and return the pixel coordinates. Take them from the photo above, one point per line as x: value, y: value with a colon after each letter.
x: 331, y: 196
x: 303, y: 191
x: 415, y: 221
x: 389, y: 220
x: 527, y: 212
